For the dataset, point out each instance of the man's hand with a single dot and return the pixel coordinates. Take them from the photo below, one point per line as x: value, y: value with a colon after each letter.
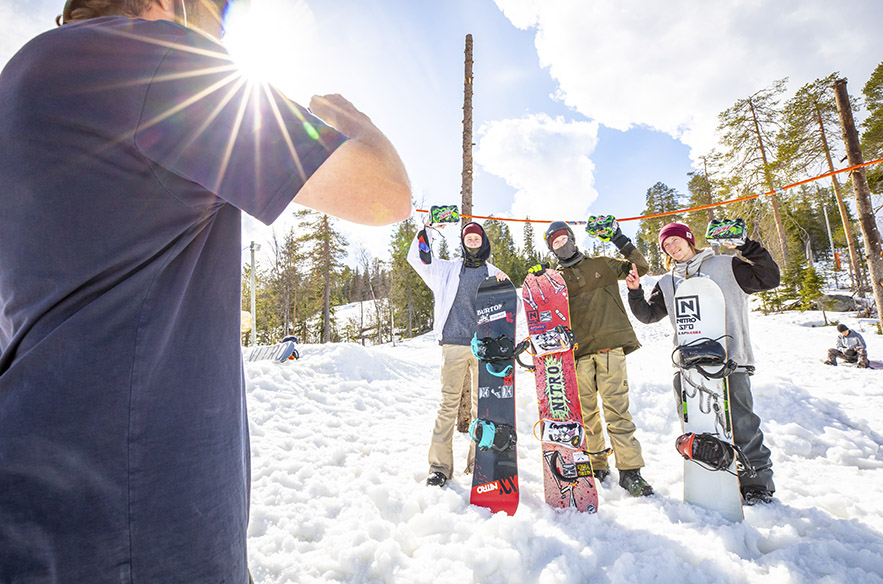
x: 538, y: 269
x: 633, y: 280
x: 501, y: 276
x: 363, y: 180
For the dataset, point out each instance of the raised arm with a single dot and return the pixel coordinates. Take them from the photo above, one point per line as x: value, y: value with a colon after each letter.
x: 647, y: 311
x: 760, y: 272
x: 364, y: 180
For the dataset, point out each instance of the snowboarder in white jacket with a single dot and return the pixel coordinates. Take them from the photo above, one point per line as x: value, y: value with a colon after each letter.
x: 454, y: 284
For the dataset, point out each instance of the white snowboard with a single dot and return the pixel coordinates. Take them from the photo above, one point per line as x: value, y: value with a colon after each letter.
x: 700, y: 311
x: 280, y: 352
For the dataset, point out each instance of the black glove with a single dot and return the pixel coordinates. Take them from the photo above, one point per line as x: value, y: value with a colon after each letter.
x: 619, y: 239
x: 538, y: 269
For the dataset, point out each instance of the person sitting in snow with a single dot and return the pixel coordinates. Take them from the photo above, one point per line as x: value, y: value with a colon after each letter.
x: 454, y: 284
x: 850, y: 347
x: 737, y: 279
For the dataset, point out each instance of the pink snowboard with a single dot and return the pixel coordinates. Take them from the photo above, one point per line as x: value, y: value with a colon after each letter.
x: 567, y: 470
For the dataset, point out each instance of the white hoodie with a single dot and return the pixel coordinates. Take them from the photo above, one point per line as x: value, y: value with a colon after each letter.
x: 443, y: 278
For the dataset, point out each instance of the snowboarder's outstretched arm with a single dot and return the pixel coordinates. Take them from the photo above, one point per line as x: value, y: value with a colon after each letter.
x: 757, y: 274
x: 647, y: 311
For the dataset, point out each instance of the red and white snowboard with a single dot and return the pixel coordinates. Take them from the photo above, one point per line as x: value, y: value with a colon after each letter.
x: 567, y: 469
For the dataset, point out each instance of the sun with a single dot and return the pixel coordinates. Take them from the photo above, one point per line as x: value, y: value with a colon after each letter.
x: 267, y: 38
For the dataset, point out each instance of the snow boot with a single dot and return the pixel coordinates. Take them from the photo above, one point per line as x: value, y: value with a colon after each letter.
x: 436, y: 479
x: 632, y: 481
x: 752, y: 495
x: 601, y: 474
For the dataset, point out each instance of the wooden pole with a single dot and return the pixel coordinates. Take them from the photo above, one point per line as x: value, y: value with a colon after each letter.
x: 466, y: 175
x: 464, y: 414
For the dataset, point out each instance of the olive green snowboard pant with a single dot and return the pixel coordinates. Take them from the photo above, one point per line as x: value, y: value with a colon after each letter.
x: 604, y: 375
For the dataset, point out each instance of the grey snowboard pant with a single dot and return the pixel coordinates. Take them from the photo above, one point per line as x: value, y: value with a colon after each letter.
x: 857, y: 355
x: 746, y: 430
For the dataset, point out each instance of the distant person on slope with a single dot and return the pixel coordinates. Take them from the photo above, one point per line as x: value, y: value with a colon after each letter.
x: 130, y: 145
x: 454, y: 284
x: 737, y: 279
x: 850, y: 346
x: 604, y: 337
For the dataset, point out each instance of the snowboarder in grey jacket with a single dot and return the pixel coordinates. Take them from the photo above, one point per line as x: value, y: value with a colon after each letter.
x: 737, y: 279
x: 850, y: 347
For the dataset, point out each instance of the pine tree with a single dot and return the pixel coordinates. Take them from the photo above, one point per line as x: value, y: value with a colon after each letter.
x: 529, y: 254
x: 701, y: 190
x: 323, y: 250
x: 503, y: 253
x: 444, y: 251
x: 281, y: 288
x: 412, y: 300
x: 872, y: 128
x: 749, y: 130
x: 811, y: 124
x: 660, y: 199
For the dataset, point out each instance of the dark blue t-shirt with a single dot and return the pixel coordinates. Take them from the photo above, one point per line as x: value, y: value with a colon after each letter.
x: 128, y: 149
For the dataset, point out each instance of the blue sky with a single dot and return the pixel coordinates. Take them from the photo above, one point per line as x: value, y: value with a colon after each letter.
x: 580, y: 106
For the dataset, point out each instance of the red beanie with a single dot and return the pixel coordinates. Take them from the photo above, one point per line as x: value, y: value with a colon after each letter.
x: 472, y: 228
x: 678, y: 229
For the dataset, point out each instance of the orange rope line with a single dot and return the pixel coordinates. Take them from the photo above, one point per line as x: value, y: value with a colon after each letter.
x: 687, y: 210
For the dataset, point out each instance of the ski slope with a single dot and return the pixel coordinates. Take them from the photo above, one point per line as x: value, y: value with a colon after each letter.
x: 339, y: 444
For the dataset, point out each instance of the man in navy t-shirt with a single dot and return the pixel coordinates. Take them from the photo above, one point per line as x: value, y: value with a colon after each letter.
x: 128, y: 148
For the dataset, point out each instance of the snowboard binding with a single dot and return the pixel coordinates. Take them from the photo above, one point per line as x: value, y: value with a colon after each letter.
x: 295, y: 354
x: 562, y: 433
x: 489, y: 435
x: 726, y: 232
x: 444, y: 214
x: 602, y: 226
x: 703, y: 353
x: 555, y: 340
x: 423, y: 247
x: 712, y: 453
x: 499, y: 349
x: 569, y: 472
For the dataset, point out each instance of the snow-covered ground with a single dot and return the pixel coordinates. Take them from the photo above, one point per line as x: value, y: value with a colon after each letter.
x: 340, y: 437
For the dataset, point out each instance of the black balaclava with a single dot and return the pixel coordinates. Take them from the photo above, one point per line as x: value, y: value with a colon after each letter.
x: 475, y: 258
x: 567, y: 254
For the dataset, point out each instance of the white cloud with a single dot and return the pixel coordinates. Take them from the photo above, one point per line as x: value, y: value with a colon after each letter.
x: 19, y: 23
x: 674, y: 66
x: 545, y: 160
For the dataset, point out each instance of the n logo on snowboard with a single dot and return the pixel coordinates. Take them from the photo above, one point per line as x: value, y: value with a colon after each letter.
x: 687, y: 313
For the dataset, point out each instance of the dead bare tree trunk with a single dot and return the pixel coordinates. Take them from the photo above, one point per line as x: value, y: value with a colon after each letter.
x: 866, y: 218
x: 841, y: 206
x: 466, y: 175
x: 464, y: 414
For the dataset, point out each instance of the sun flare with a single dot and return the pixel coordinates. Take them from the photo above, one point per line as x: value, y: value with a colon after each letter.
x: 267, y: 38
